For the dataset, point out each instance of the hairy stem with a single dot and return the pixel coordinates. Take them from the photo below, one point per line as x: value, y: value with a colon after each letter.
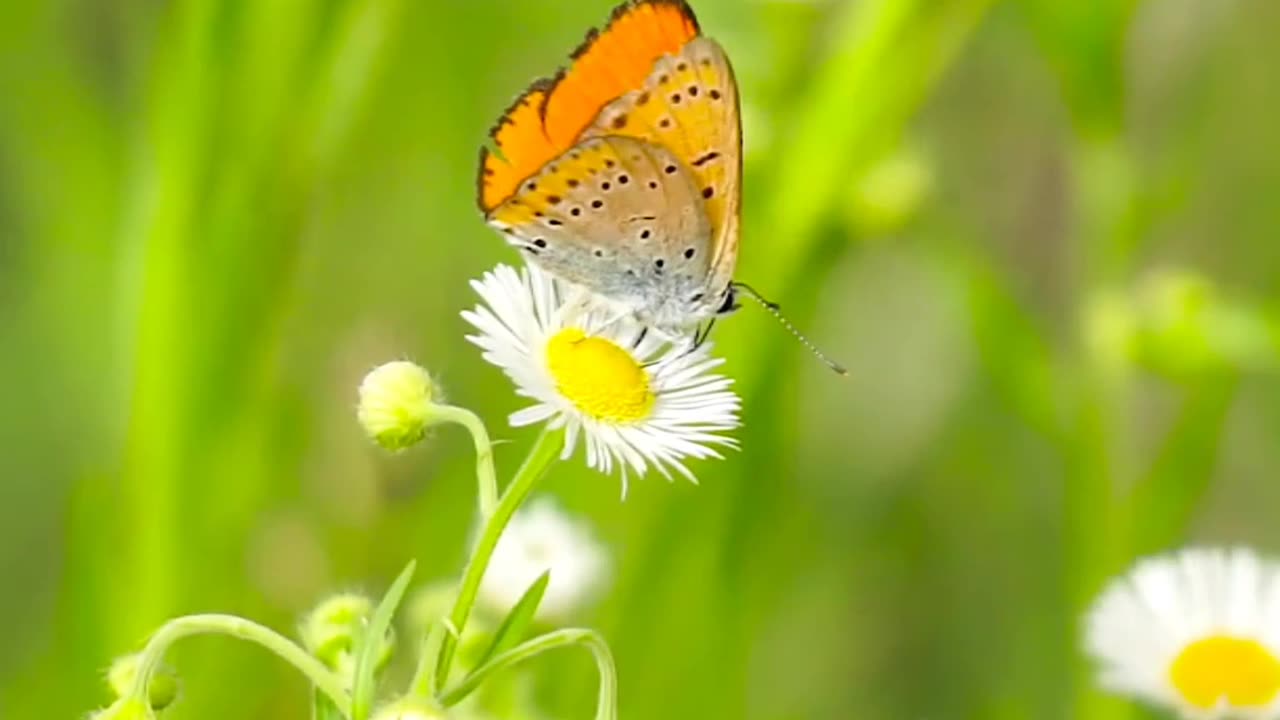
x: 606, y: 706
x: 485, y: 475
x: 544, y: 451
x: 320, y: 676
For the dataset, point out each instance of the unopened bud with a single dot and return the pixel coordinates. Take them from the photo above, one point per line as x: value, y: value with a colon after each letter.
x: 332, y: 630
x: 396, y: 404
x: 162, y: 689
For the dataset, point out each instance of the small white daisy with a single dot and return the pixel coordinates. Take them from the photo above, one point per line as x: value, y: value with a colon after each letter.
x: 540, y: 537
x: 635, y: 403
x: 1197, y: 631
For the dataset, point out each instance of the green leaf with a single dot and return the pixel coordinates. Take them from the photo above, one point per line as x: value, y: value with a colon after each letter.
x: 370, y: 645
x: 324, y: 709
x: 518, y: 620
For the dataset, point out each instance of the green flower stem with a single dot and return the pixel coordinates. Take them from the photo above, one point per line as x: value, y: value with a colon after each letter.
x: 485, y: 475
x: 544, y: 451
x: 606, y: 706
x: 237, y: 627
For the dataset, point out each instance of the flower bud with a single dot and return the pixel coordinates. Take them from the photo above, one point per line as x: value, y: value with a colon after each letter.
x: 163, y: 688
x: 1177, y: 324
x: 396, y: 404
x: 888, y: 195
x: 1190, y: 328
x: 332, y: 631
x: 126, y: 708
x: 1111, y: 330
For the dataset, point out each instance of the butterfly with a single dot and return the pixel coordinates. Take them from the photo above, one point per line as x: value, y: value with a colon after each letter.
x: 622, y: 174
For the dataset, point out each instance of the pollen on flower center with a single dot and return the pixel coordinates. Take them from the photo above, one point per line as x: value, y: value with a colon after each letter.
x: 1241, y: 671
x: 601, y: 379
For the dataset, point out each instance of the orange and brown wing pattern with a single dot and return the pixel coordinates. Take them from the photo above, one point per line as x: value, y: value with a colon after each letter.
x: 550, y: 116
x: 689, y: 105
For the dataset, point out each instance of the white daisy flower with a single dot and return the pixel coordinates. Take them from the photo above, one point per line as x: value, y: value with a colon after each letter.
x: 540, y: 537
x: 1197, y: 632
x: 635, y: 404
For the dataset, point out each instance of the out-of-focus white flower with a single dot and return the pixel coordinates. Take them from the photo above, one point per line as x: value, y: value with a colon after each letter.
x: 541, y: 537
x: 1197, y: 632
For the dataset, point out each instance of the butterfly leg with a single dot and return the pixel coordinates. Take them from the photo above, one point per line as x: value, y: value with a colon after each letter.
x: 701, y: 335
x: 644, y: 331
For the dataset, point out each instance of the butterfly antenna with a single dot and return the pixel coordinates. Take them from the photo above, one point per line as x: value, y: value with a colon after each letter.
x: 776, y: 312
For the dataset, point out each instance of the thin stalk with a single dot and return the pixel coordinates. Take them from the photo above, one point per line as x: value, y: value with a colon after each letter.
x: 606, y: 705
x: 485, y: 475
x: 320, y: 676
x: 544, y: 451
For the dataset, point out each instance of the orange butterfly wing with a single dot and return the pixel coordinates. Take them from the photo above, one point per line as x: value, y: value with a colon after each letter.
x: 689, y: 105
x: 550, y: 116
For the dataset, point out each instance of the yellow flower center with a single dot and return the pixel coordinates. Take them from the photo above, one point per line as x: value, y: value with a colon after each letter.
x: 1239, y: 670
x: 601, y: 379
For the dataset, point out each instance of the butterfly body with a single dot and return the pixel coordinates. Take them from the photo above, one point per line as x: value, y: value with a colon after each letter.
x: 622, y: 174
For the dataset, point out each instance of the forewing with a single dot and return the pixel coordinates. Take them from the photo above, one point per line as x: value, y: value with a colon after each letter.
x: 550, y: 116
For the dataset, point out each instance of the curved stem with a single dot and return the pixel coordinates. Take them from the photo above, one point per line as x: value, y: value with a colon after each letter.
x: 237, y: 627
x: 485, y: 475
x: 544, y: 451
x: 606, y: 706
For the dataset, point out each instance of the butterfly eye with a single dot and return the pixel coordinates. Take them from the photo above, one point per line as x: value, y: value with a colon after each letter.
x: 688, y: 253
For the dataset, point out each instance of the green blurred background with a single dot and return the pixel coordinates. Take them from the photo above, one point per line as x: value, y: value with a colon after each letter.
x: 1043, y: 236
